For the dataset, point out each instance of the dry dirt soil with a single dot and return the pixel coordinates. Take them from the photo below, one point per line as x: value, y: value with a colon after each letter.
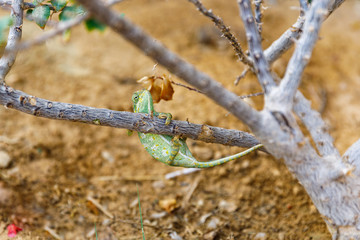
x: 56, y: 165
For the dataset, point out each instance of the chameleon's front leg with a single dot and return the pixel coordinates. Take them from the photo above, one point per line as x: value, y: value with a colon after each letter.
x: 168, y: 117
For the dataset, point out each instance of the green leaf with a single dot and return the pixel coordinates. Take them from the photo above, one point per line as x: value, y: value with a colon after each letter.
x: 70, y: 12
x: 40, y: 15
x: 5, y: 22
x: 93, y: 24
x: 58, y: 4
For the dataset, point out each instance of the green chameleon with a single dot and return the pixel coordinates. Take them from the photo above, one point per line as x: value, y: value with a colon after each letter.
x: 172, y: 151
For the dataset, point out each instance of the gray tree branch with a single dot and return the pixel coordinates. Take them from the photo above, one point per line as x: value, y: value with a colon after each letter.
x: 314, y: 17
x: 315, y: 125
x: 261, y: 65
x: 152, y: 48
x: 288, y: 38
x: 14, y: 99
x: 15, y: 32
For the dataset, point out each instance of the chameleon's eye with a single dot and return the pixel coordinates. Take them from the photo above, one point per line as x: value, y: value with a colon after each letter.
x: 135, y: 98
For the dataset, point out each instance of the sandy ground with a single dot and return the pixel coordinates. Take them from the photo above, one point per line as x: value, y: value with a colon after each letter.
x: 57, y: 165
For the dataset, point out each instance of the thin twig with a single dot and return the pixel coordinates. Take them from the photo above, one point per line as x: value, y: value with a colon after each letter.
x: 145, y: 225
x: 194, y: 89
x: 190, y: 191
x: 59, y: 29
x: 15, y: 32
x: 100, y: 207
x: 185, y: 86
x: 219, y: 23
x: 53, y: 233
x: 26, y: 5
x: 25, y: 103
x: 261, y: 65
x: 243, y: 74
x: 181, y: 172
x: 251, y: 95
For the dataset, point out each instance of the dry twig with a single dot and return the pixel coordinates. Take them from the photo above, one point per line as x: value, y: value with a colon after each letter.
x: 219, y: 23
x: 100, y: 207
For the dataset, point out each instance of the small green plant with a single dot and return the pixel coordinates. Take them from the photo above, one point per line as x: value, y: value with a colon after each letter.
x: 67, y: 10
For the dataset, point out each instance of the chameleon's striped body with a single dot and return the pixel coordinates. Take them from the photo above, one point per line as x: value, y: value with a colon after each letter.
x: 172, y: 151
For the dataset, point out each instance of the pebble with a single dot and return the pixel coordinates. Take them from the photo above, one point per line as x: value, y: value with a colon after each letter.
x: 260, y: 236
x: 175, y: 236
x: 281, y: 236
x: 213, y: 223
x: 158, y: 184
x: 204, y: 217
x: 107, y: 156
x: 210, y: 235
x: 227, y: 206
x: 5, y: 159
x: 158, y: 215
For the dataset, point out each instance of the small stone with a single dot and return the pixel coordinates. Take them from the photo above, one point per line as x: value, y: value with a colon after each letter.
x: 158, y: 184
x: 158, y: 215
x: 106, y: 222
x: 210, y: 235
x: 204, y: 217
x: 213, y: 223
x: 5, y: 159
x: 227, y: 206
x: 281, y: 236
x: 313, y: 209
x: 175, y: 236
x: 260, y: 236
x: 200, y: 203
x: 296, y: 190
x: 245, y: 164
x: 275, y: 172
x: 168, y: 204
x: 107, y: 156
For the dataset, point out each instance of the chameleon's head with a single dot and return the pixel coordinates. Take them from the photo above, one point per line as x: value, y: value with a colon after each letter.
x: 142, y: 101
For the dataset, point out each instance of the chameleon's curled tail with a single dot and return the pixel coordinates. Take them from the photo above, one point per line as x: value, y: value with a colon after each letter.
x: 220, y: 161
